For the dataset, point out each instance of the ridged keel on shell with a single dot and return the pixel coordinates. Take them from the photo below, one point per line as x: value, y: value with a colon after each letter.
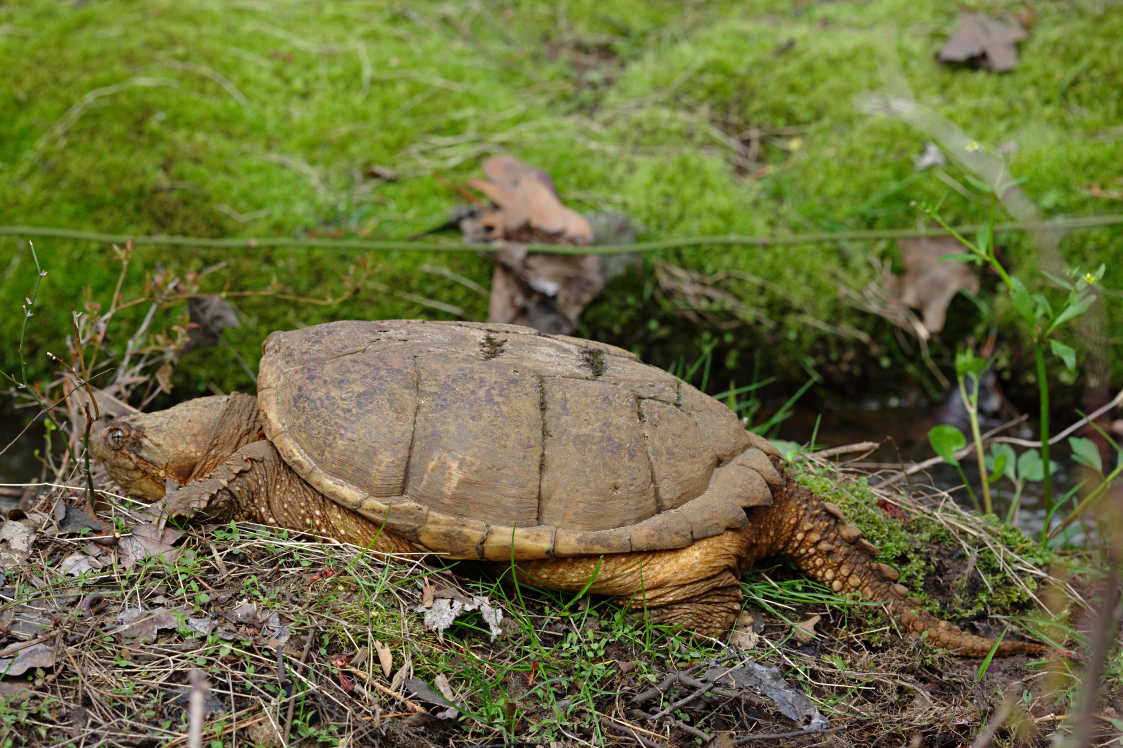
x: 495, y: 441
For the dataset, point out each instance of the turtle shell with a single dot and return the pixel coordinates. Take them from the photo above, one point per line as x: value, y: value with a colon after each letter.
x: 499, y: 442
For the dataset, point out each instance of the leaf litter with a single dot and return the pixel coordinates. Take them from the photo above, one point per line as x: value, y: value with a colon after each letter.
x: 542, y: 290
x: 987, y: 42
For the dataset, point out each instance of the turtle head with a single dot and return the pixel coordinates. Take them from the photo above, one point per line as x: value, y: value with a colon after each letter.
x: 143, y: 451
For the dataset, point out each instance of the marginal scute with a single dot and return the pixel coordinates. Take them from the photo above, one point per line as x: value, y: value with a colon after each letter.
x: 456, y: 536
x: 758, y: 461
x: 849, y: 533
x: 591, y: 542
x: 763, y: 444
x: 900, y: 590
x: 834, y: 511
x: 525, y: 542
x: 867, y: 546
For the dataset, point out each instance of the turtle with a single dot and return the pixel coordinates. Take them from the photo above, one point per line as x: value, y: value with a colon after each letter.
x: 568, y: 459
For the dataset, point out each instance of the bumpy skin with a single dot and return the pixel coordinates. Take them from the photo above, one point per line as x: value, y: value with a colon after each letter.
x: 239, y: 475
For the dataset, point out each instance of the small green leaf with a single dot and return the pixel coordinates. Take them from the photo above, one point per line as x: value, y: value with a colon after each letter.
x: 1077, y: 304
x: 1030, y: 466
x: 961, y: 257
x: 1044, y: 309
x: 945, y: 441
x: 1006, y: 452
x: 966, y: 362
x: 1023, y: 303
x: 1066, y: 354
x: 983, y: 237
x: 1086, y: 453
x: 997, y: 465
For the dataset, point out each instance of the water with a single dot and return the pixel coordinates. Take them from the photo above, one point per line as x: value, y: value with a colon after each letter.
x: 901, y: 427
x: 18, y: 463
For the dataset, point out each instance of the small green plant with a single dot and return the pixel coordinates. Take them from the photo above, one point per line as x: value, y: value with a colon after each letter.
x: 1043, y: 321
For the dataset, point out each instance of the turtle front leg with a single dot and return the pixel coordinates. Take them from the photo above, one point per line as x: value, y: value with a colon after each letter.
x: 229, y: 491
x: 255, y: 484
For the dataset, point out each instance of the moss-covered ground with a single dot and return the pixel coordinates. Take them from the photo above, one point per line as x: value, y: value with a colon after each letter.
x: 282, y: 118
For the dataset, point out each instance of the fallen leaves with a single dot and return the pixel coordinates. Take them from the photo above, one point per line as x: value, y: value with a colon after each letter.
x: 541, y: 290
x: 19, y: 658
x: 930, y: 282
x: 804, y: 631
x: 980, y: 40
x: 527, y: 208
x: 147, y: 540
x: 444, y: 606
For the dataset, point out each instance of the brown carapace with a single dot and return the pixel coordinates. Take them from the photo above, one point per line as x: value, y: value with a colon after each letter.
x: 584, y: 467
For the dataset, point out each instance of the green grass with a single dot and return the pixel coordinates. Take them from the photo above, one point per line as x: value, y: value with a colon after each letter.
x: 209, y: 119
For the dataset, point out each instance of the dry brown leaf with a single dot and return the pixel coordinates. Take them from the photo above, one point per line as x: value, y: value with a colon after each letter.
x: 444, y: 610
x: 16, y: 537
x: 78, y: 563
x: 985, y: 41
x: 209, y: 315
x: 929, y: 282
x: 528, y: 208
x: 544, y: 291
x: 804, y: 631
x: 385, y: 657
x: 146, y: 540
x: 23, y: 658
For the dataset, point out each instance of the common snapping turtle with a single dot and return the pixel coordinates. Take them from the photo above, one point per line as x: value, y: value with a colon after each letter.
x: 481, y: 441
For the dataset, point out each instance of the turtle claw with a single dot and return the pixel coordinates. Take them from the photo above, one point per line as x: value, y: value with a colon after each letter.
x: 183, y: 502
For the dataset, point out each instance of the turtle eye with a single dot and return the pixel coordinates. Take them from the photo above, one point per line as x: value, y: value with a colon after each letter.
x: 115, y: 437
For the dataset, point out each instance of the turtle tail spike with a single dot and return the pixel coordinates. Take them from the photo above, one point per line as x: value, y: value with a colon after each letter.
x: 832, y: 551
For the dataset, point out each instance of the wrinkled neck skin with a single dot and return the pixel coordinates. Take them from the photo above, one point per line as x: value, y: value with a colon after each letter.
x: 144, y: 451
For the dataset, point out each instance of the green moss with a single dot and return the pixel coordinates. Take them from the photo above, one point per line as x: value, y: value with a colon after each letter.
x: 926, y: 553
x: 212, y: 120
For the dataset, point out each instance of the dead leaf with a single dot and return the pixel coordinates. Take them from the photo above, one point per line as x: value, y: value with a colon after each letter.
x: 444, y: 610
x: 209, y: 316
x: 767, y: 682
x: 144, y: 624
x: 981, y: 40
x: 423, y: 692
x: 932, y: 156
x: 78, y: 563
x: 16, y: 537
x: 385, y: 658
x: 23, y: 658
x: 545, y: 291
x: 146, y: 540
x: 427, y: 595
x: 528, y: 208
x: 804, y: 631
x: 929, y: 282
x: 746, y: 631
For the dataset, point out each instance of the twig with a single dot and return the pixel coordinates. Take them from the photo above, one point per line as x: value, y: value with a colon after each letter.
x: 1101, y: 641
x: 985, y: 738
x: 846, y: 449
x: 292, y: 702
x: 1115, y: 402
x: 920, y: 466
x: 1067, y: 224
x: 785, y: 735
x: 198, y: 693
x: 412, y: 705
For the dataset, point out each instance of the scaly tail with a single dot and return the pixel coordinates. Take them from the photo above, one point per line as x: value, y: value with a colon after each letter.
x: 816, y: 535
